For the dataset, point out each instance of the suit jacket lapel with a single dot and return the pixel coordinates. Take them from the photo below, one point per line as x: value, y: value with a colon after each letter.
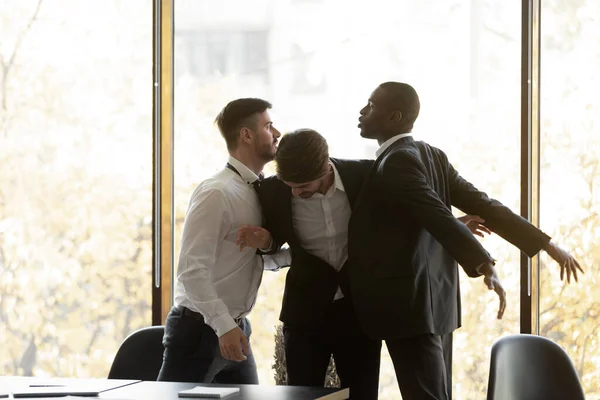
x: 285, y: 212
x: 351, y: 184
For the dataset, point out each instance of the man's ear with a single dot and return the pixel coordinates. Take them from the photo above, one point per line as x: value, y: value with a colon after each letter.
x: 246, y: 135
x: 396, y: 116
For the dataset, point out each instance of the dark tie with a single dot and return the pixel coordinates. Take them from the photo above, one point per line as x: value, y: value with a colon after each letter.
x: 255, y: 184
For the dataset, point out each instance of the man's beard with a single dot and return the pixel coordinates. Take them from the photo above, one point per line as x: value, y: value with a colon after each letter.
x: 266, y: 153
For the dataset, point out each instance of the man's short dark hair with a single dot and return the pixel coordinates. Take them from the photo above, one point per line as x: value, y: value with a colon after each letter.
x: 404, y: 98
x: 301, y: 155
x: 237, y: 114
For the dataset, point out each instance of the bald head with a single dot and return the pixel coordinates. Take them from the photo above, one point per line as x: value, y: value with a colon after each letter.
x: 404, y: 98
x: 391, y: 110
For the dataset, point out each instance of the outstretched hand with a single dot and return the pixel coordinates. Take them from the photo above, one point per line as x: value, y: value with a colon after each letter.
x: 475, y: 224
x: 566, y: 261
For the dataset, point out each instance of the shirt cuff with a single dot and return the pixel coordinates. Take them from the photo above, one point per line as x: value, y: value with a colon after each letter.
x: 223, y: 324
x: 480, y: 266
x: 268, y: 248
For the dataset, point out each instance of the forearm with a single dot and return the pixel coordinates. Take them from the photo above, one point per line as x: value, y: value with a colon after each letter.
x: 407, y: 189
x: 458, y: 240
x: 549, y: 246
x: 431, y: 214
x: 512, y: 227
x: 203, y: 296
x: 498, y: 218
x: 276, y: 239
x: 267, y: 250
x: 274, y: 248
x: 207, y: 222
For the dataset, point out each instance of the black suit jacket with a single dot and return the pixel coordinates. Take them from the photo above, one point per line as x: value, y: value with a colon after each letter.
x: 311, y: 283
x: 404, y: 241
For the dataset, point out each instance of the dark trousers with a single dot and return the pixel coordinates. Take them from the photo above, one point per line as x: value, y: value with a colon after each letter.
x: 447, y: 349
x: 192, y: 353
x: 308, y: 351
x: 421, y: 366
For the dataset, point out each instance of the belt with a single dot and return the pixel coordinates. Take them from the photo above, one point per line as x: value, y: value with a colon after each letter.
x: 193, y: 314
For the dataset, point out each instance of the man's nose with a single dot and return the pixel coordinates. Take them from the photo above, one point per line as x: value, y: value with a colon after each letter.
x: 276, y: 133
x: 296, y: 192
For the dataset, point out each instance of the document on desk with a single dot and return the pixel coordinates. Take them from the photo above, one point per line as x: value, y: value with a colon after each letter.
x: 53, y: 391
x: 208, y: 392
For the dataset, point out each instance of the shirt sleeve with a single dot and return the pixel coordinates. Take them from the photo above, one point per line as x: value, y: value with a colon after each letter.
x: 206, y: 223
x: 279, y: 260
x: 268, y: 249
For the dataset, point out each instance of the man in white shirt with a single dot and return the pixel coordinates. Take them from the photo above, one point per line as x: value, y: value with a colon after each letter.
x: 309, y: 207
x: 207, y: 333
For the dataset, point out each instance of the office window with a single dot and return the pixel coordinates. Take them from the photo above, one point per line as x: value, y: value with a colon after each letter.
x: 464, y: 60
x: 570, y: 180
x: 75, y: 183
x: 206, y: 54
x: 309, y: 75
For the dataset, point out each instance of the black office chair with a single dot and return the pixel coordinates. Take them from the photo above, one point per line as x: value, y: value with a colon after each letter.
x: 140, y: 355
x: 529, y: 367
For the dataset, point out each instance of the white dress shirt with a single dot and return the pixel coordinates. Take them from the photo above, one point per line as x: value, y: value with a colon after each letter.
x: 389, y: 142
x: 214, y: 277
x: 321, y: 224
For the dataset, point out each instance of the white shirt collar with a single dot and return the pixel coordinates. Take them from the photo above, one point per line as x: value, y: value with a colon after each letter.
x: 389, y: 142
x: 245, y: 172
x: 337, y: 185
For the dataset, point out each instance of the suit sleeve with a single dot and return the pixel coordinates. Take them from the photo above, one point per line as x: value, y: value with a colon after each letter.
x: 405, y: 186
x: 498, y: 218
x: 269, y: 202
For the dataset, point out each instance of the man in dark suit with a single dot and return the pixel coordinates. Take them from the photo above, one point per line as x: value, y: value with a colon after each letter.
x: 404, y: 245
x: 309, y: 208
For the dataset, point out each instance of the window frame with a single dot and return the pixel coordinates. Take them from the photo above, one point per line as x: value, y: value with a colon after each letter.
x: 163, y: 153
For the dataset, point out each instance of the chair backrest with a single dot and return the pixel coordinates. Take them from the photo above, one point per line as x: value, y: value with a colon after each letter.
x: 140, y: 355
x: 530, y: 367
